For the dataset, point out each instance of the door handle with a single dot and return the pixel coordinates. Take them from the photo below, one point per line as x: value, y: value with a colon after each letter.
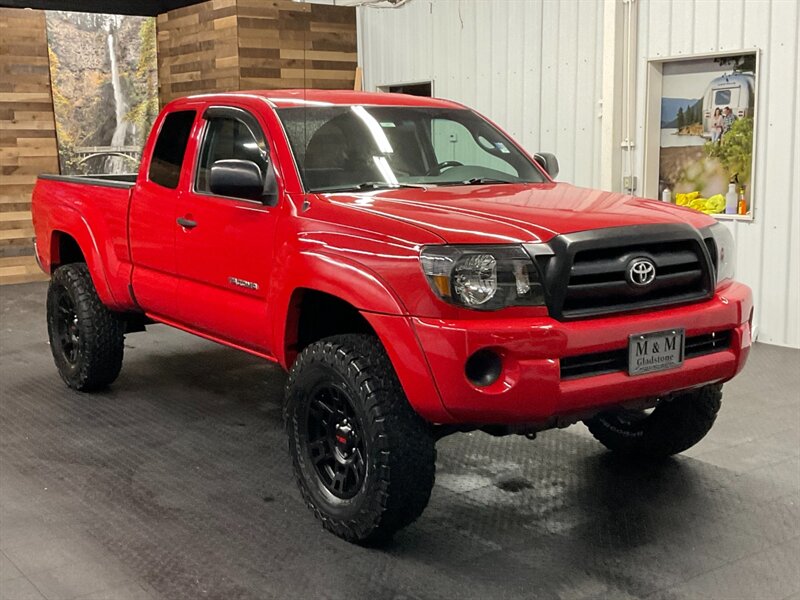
x: 187, y: 223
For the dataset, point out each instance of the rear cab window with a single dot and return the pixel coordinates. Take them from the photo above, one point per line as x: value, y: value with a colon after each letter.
x: 170, y: 148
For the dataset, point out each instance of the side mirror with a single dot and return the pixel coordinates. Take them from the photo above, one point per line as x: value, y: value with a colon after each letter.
x: 548, y: 162
x: 237, y: 179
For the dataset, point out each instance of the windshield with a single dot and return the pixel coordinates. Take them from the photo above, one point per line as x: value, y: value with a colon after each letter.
x: 339, y: 148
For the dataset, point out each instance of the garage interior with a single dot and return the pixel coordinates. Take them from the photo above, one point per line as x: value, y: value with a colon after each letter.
x: 175, y: 482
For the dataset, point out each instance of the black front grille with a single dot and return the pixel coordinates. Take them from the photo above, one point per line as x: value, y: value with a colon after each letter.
x: 586, y: 274
x: 599, y: 363
x: 597, y: 282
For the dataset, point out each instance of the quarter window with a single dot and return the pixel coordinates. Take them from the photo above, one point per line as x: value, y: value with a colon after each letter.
x: 170, y: 148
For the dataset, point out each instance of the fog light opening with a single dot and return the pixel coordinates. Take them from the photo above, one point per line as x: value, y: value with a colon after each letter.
x: 484, y: 367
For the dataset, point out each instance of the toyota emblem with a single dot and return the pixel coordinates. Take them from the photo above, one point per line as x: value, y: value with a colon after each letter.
x: 641, y: 272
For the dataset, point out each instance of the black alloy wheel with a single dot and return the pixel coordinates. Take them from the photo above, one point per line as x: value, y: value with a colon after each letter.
x: 67, y: 332
x: 334, y: 442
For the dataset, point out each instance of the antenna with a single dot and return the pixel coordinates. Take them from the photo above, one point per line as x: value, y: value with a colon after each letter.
x: 305, y: 97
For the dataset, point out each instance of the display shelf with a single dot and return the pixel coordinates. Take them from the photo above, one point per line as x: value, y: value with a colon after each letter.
x: 724, y: 217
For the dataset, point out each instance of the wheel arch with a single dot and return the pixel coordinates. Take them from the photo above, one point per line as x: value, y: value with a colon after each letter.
x: 342, y: 315
x: 313, y: 314
x: 73, y: 242
x: 340, y: 285
x: 64, y: 250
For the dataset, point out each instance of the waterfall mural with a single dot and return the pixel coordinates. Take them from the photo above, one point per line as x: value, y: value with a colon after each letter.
x: 105, y: 89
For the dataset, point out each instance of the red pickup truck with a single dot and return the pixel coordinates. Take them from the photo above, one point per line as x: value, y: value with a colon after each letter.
x: 415, y: 271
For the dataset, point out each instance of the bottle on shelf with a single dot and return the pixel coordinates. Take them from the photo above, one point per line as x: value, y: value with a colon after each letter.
x: 742, y: 205
x: 666, y: 195
x: 731, y: 199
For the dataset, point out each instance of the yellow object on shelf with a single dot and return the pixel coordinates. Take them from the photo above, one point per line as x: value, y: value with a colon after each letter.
x: 685, y: 199
x: 711, y: 206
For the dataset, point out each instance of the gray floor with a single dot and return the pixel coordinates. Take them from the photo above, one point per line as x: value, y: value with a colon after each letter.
x: 175, y: 484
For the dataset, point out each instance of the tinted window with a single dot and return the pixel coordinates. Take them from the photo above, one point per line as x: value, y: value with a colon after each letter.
x: 227, y: 138
x: 165, y: 166
x: 722, y: 97
x: 344, y: 147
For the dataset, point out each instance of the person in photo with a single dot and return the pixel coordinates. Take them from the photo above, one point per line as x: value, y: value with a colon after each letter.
x: 716, y: 125
x: 727, y: 120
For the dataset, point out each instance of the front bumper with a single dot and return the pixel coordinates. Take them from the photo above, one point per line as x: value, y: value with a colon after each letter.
x: 530, y: 388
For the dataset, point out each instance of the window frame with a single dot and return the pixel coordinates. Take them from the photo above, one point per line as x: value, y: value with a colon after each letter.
x: 249, y: 120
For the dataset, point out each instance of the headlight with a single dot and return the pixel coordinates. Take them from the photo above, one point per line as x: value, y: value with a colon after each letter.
x: 483, y: 277
x: 726, y: 251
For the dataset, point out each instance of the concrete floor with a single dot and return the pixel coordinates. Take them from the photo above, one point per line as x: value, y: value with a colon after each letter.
x: 175, y: 484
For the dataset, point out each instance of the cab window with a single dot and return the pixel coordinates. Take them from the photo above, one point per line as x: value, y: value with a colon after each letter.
x: 170, y: 148
x: 229, y: 138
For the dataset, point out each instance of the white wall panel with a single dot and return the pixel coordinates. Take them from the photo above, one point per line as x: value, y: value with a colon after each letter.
x: 768, y: 250
x: 531, y: 66
x: 535, y: 68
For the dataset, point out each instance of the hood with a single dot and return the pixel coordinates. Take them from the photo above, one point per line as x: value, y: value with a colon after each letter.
x: 514, y: 213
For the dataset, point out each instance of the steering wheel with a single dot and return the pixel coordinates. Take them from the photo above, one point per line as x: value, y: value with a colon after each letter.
x: 443, y: 165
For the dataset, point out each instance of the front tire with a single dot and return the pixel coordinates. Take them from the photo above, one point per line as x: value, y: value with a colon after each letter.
x: 673, y: 426
x: 86, y: 338
x: 363, y: 459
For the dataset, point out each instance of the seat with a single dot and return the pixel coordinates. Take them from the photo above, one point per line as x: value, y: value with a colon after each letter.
x: 338, y: 154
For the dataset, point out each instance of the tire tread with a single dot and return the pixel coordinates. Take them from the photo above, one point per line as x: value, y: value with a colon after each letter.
x: 405, y: 472
x: 675, y: 425
x: 103, y: 332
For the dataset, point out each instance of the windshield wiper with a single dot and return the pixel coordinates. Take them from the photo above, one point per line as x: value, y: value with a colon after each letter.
x: 481, y: 180
x: 372, y: 185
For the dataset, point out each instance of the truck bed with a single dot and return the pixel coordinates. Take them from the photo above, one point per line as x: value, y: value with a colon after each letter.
x: 90, y: 212
x: 122, y: 180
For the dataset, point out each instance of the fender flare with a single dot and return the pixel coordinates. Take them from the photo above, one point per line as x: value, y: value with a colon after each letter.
x: 384, y: 311
x: 323, y: 272
x: 69, y: 221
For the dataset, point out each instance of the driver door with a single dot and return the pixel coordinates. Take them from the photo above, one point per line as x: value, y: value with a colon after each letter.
x: 224, y: 244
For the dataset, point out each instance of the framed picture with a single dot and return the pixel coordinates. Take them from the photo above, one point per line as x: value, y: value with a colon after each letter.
x: 105, y: 89
x: 700, y: 132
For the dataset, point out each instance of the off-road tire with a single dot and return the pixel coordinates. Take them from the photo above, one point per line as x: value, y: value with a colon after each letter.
x: 100, y: 333
x: 674, y: 425
x: 400, y: 450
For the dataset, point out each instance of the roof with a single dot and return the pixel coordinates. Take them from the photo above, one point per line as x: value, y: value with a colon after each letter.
x: 735, y: 78
x: 289, y: 98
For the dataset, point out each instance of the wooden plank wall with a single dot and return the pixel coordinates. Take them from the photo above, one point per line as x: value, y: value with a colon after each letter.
x: 27, y: 136
x: 224, y: 45
x: 197, y: 49
x: 285, y: 44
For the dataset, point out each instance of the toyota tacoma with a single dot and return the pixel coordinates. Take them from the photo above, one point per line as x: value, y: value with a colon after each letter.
x: 415, y: 271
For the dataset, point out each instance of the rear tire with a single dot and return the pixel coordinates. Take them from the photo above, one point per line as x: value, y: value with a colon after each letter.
x: 674, y: 425
x: 363, y: 459
x: 86, y: 338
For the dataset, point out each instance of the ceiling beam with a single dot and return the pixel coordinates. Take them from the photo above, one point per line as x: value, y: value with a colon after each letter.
x: 119, y: 7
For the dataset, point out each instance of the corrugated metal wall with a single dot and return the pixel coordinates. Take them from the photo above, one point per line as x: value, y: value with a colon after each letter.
x: 535, y: 68
x: 532, y: 67
x: 768, y: 247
